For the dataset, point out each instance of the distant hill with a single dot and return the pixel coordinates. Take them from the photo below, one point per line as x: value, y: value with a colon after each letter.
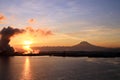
x: 82, y: 46
x: 85, y: 46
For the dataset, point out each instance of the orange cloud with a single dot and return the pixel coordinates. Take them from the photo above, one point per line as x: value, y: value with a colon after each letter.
x: 2, y: 17
x: 32, y: 21
x: 41, y: 32
x: 45, y: 32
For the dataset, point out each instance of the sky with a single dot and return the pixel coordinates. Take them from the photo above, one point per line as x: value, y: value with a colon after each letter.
x: 70, y: 21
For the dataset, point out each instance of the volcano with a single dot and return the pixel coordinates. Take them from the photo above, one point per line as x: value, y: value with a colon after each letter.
x: 85, y: 46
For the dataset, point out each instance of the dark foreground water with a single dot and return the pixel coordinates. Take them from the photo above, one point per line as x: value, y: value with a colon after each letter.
x: 59, y: 68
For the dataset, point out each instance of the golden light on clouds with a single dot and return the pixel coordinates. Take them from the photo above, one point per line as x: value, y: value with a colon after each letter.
x: 32, y: 21
x: 2, y: 18
x: 29, y: 38
x: 27, y: 46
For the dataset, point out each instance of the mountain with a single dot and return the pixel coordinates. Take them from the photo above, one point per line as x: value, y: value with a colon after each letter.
x: 85, y: 46
x: 82, y: 46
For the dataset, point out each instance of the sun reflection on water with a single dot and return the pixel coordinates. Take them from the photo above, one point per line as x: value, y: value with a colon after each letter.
x: 26, y: 74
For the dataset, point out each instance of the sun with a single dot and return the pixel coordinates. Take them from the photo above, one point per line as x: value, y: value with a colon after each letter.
x: 27, y: 42
x: 27, y: 46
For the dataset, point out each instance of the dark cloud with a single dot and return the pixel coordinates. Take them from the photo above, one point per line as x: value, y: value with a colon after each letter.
x: 6, y: 34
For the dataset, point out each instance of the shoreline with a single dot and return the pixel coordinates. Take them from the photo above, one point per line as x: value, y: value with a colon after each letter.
x: 96, y: 54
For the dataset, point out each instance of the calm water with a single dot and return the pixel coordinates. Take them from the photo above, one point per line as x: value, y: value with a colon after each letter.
x: 59, y: 68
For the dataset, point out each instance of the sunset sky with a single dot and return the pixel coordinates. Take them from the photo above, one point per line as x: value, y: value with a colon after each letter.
x: 63, y: 22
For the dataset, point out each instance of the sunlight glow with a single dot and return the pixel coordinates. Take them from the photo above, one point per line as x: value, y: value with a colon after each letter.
x: 27, y: 42
x: 26, y: 46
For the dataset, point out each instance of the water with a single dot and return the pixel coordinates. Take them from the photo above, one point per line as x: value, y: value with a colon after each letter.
x: 59, y: 68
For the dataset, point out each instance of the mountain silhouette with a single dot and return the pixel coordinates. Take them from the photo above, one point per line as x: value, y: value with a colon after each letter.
x: 85, y: 46
x: 82, y: 46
